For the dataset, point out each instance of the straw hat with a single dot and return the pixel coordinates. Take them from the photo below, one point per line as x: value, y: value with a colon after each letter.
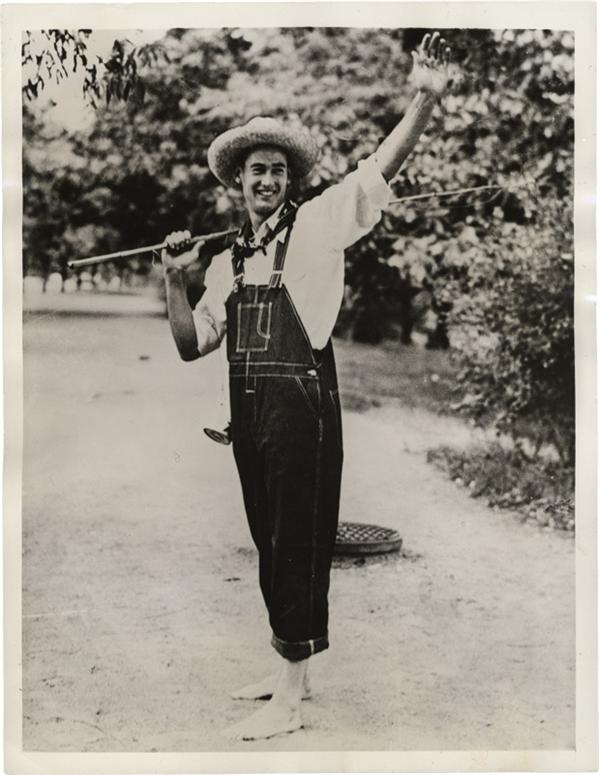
x: 226, y: 151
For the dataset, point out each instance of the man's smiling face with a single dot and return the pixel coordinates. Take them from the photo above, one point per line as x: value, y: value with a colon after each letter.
x: 264, y: 178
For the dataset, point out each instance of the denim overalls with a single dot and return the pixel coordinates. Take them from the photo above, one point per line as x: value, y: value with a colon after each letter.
x: 287, y: 443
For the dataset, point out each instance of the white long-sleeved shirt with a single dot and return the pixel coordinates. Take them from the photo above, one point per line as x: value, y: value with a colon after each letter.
x: 314, y: 267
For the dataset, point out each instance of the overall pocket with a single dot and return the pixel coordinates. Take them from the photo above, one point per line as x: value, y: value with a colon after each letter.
x: 311, y: 392
x: 253, y: 327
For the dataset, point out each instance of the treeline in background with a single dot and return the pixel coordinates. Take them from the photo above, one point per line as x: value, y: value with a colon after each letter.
x: 491, y: 272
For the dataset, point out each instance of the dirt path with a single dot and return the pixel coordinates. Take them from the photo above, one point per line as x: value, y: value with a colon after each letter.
x: 141, y: 606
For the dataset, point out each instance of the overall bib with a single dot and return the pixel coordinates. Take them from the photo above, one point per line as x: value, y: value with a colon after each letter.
x: 287, y: 443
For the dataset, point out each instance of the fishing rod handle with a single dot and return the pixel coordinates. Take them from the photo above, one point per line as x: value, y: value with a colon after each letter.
x: 80, y: 262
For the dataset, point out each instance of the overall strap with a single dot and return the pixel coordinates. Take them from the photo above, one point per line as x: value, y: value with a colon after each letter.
x: 238, y: 274
x: 281, y: 252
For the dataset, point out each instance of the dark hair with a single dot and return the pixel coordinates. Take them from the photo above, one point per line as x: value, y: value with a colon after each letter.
x: 243, y: 155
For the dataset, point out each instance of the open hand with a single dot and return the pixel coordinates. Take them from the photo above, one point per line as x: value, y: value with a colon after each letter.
x: 180, y: 251
x: 430, y: 65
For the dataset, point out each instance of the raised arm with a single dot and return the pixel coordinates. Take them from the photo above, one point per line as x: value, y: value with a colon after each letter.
x: 193, y: 337
x: 430, y: 78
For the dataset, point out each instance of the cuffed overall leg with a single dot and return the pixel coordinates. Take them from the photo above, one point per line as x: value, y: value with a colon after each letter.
x: 287, y: 446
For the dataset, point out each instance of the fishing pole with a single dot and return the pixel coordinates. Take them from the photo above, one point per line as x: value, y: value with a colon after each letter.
x: 454, y: 192
x: 215, y: 235
x: 147, y: 249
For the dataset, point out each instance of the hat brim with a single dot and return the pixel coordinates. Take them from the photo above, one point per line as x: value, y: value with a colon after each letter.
x: 227, y: 151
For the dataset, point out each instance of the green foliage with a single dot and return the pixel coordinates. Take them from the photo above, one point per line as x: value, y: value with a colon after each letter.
x: 121, y: 79
x: 512, y: 322
x: 542, y: 489
x: 64, y: 52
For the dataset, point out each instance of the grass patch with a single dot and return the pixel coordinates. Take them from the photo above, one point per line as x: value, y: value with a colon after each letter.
x: 540, y: 489
x: 373, y: 375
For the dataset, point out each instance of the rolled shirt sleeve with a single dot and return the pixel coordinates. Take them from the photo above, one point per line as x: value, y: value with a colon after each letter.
x: 348, y: 210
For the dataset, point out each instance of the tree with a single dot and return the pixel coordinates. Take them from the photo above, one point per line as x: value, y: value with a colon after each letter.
x: 64, y: 52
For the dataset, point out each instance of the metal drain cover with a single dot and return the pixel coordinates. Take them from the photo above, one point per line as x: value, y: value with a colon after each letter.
x: 359, y: 538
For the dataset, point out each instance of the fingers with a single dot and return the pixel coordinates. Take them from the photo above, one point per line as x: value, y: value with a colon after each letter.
x: 430, y: 64
x: 429, y: 44
x: 444, y: 52
x: 433, y: 46
x: 179, y: 250
x: 177, y: 242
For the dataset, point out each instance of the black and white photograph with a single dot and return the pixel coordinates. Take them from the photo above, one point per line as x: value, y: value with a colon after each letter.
x: 299, y: 383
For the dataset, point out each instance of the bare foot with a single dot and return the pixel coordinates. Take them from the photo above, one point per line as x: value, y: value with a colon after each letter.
x: 272, y: 719
x: 263, y: 690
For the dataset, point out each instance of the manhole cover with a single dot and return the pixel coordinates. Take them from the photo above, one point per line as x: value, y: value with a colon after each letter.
x: 359, y: 538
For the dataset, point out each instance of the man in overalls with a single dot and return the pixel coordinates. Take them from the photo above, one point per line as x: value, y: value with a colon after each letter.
x: 276, y: 296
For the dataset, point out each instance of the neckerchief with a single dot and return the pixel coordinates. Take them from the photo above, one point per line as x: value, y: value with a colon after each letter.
x: 244, y: 248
